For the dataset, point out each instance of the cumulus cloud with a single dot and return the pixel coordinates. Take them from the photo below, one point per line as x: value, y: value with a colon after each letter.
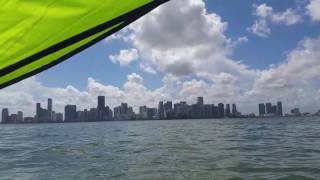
x: 288, y: 17
x: 23, y: 96
x: 301, y: 67
x: 260, y: 28
x: 182, y: 39
x: 125, y: 57
x: 296, y: 80
x: 266, y: 14
x: 314, y: 9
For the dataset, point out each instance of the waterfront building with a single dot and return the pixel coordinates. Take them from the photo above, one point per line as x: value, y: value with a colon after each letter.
x: 117, y: 113
x: 50, y: 111
x: 208, y: 111
x: 228, y: 111
x: 123, y: 112
x: 160, y: 110
x: 101, y: 102
x: 215, y: 111
x: 49, y: 105
x: 152, y: 113
x: 279, y: 109
x: 234, y: 110
x: 200, y: 101
x: 5, y: 115
x: 274, y: 110
x: 221, y: 110
x: 38, y: 112
x: 70, y: 112
x: 29, y: 120
x: 143, y: 112
x: 104, y: 112
x: 19, y: 117
x: 295, y: 112
x: 59, y: 117
x: 168, y: 110
x: 262, y: 109
x: 181, y: 110
x: 196, y: 111
x: 13, y: 118
x: 44, y: 115
x: 93, y: 114
x: 269, y: 108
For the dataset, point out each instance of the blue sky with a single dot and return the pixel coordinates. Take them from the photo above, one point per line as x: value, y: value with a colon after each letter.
x: 243, y: 52
x: 257, y: 53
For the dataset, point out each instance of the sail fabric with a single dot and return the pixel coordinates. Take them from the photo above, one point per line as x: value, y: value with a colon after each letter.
x: 38, y: 34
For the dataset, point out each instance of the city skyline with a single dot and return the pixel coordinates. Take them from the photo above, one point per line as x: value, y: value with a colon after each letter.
x: 102, y: 112
x: 165, y: 111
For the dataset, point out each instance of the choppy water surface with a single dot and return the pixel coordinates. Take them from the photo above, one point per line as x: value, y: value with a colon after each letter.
x: 184, y: 149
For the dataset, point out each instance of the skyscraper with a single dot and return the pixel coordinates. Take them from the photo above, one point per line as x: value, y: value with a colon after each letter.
x: 279, y: 109
x: 227, y: 111
x: 152, y: 113
x: 19, y: 117
x: 5, y: 115
x: 124, y: 109
x: 101, y: 102
x: 234, y: 110
x: 59, y: 117
x: 143, y: 112
x: 168, y: 106
x: 168, y: 110
x: 117, y: 113
x: 274, y: 110
x: 262, y: 109
x: 295, y: 112
x: 70, y: 112
x: 50, y: 105
x: 49, y: 111
x: 200, y: 101
x: 221, y: 110
x: 160, y: 110
x: 215, y: 110
x: 269, y: 108
x: 38, y: 111
x: 208, y: 111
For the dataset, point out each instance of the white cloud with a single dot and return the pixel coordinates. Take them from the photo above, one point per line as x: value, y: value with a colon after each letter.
x: 288, y: 17
x: 314, y: 9
x: 263, y: 10
x: 24, y: 95
x: 296, y: 80
x: 125, y: 57
x: 301, y: 67
x: 182, y: 39
x: 266, y: 14
x: 260, y: 28
x: 148, y: 68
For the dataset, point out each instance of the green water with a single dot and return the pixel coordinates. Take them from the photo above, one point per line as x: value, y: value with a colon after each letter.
x: 183, y: 149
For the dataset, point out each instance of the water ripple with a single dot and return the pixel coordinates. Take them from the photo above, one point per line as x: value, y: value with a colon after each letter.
x: 187, y: 149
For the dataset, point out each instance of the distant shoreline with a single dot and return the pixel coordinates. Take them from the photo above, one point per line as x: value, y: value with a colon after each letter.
x: 144, y: 120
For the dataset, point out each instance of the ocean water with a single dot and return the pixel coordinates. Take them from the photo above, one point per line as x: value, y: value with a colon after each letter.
x: 182, y: 149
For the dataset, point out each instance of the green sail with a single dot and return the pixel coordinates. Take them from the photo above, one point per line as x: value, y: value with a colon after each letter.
x: 38, y: 34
